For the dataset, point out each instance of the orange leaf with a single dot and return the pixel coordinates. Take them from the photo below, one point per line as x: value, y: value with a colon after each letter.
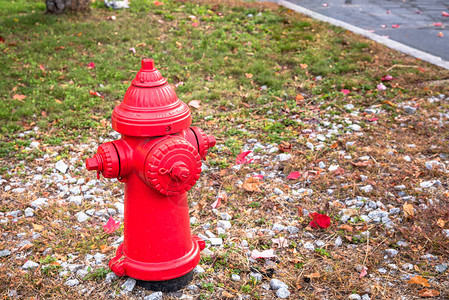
x: 361, y: 163
x: 389, y: 103
x: 299, y: 97
x: 313, y: 275
x: 428, y: 293
x: 19, y: 97
x: 346, y: 227
x: 249, y: 75
x: 252, y: 184
x: 303, y: 66
x: 441, y: 223
x: 58, y: 101
x: 419, y: 280
x: 334, y: 145
x: 409, y: 211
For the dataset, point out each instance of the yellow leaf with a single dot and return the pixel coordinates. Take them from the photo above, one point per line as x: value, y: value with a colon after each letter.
x: 38, y: 227
x: 58, y: 101
x: 389, y: 103
x: 419, y: 280
x: 441, y: 223
x: 409, y: 211
x: 178, y: 44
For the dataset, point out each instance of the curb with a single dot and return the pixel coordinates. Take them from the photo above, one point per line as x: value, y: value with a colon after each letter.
x: 372, y: 36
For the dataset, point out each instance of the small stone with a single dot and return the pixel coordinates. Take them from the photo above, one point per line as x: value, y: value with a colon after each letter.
x: 382, y: 270
x: 30, y: 265
x: 193, y: 220
x: 29, y: 212
x: 72, y: 282
x: 110, y: 277
x: 282, y: 293
x: 402, y: 244
x: 367, y: 188
x: 278, y: 227
x: 120, y: 207
x: 81, y: 217
x: 391, y: 252
x: 278, y: 191
x: 409, y: 110
x: 407, y: 158
x: 193, y: 287
x: 235, y: 277
x: 77, y: 200
x: 34, y: 144
x: 400, y: 187
x: 39, y: 202
x: 407, y: 266
x: 198, y: 270
x: 338, y: 242
x: 244, y: 243
x: 90, y: 212
x: 61, y: 167
x: 426, y: 184
x: 154, y: 296
x: 276, y: 284
x: 333, y: 168
x: 256, y: 276
x: 216, y: 241
x: 354, y: 127
x: 224, y: 224
x: 225, y: 216
x: 292, y: 229
x: 309, y: 246
x: 5, y: 252
x: 441, y: 268
x: 366, y: 297
x: 129, y: 284
x: 354, y: 297
x: 446, y: 232
x: 210, y: 234
x: 320, y: 244
x: 81, y: 273
x: 284, y: 156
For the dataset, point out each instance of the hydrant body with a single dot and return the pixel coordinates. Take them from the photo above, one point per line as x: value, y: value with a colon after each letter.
x: 159, y: 160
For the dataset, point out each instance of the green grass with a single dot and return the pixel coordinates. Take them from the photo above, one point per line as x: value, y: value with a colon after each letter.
x: 230, y: 61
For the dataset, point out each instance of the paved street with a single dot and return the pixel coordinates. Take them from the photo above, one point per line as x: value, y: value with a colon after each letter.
x: 417, y: 20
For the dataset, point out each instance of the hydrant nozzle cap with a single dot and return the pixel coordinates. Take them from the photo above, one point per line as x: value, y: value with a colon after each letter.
x: 147, y: 64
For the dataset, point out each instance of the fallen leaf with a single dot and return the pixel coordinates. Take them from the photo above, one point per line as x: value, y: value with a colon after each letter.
x: 19, y: 97
x: 419, y: 280
x: 252, y: 184
x: 428, y: 293
x: 217, y: 202
x: 373, y: 119
x: 249, y: 75
x: 345, y: 91
x: 25, y: 247
x: 440, y: 34
x: 111, y: 225
x: 255, y: 254
x: 91, y: 65
x: 441, y: 223
x: 285, y: 147
x: 303, y: 66
x: 105, y: 249
x: 313, y: 275
x: 299, y: 97
x: 195, y: 24
x: 300, y: 212
x: 395, y: 26
x: 158, y: 3
x: 241, y: 158
x: 112, y: 18
x: 361, y: 163
x: 282, y: 242
x: 133, y: 50
x: 386, y: 78
x: 227, y: 295
x: 437, y: 24
x: 334, y: 145
x: 346, y: 227
x: 294, y: 175
x: 58, y: 101
x: 42, y: 67
x: 38, y: 227
x: 195, y: 103
x: 178, y: 44
x: 2, y: 39
x: 258, y: 176
x: 364, y: 272
x: 444, y: 14
x: 97, y: 94
x: 319, y: 220
x: 381, y: 87
x: 181, y: 83
x: 409, y: 211
x: 389, y: 103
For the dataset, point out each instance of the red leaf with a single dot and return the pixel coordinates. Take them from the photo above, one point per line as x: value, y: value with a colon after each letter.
x: 344, y: 91
x: 444, y: 14
x: 259, y: 176
x: 195, y: 24
x: 363, y: 273
x: 386, y: 78
x: 395, y: 26
x: 2, y: 39
x: 97, y: 94
x: 437, y: 24
x: 111, y: 225
x: 42, y: 67
x: 320, y: 220
x: 241, y: 158
x: 373, y: 119
x: 91, y: 65
x: 157, y: 3
x: 294, y: 175
x: 19, y: 97
x: 132, y: 49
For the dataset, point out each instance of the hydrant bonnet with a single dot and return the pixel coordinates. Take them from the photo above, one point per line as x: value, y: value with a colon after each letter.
x: 150, y: 106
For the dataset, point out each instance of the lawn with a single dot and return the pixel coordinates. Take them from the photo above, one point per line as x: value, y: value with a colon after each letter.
x: 362, y: 129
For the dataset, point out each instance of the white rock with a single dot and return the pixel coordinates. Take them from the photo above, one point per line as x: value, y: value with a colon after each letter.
x: 30, y: 265
x: 224, y: 224
x: 216, y: 241
x: 77, y: 200
x: 120, y: 207
x: 338, y: 242
x: 276, y: 284
x: 39, y: 202
x: 61, y: 166
x: 34, y: 144
x: 29, y: 212
x: 367, y: 188
x: 72, y: 282
x: 285, y: 156
x: 81, y: 217
x: 354, y: 127
x: 154, y: 296
x: 129, y: 284
x: 309, y: 246
x: 198, y: 270
x: 333, y: 168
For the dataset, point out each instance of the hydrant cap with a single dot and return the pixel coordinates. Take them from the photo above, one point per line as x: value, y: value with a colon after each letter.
x: 150, y: 106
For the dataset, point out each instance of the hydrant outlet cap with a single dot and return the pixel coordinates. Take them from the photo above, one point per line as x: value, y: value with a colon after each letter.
x: 150, y: 106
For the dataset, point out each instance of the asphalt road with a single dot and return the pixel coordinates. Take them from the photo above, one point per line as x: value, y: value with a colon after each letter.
x: 415, y: 22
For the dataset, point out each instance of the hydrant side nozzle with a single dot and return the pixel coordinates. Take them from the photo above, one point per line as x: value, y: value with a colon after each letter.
x: 93, y: 163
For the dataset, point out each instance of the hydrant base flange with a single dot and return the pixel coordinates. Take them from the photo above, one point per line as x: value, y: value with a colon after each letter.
x: 122, y: 265
x: 167, y: 286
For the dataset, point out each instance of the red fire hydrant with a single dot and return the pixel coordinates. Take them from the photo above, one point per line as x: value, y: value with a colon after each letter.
x: 159, y: 159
